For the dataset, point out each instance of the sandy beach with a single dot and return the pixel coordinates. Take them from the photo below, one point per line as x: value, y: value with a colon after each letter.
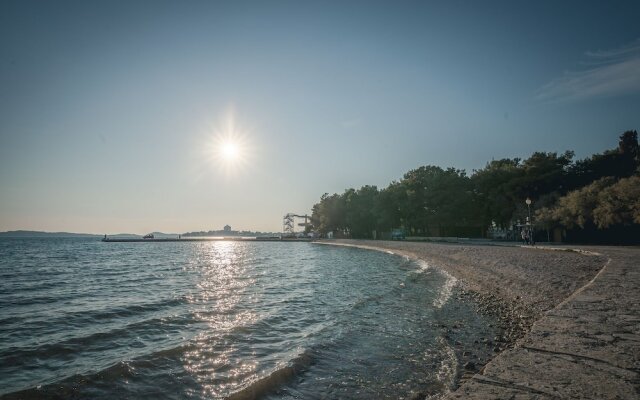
x: 570, y: 317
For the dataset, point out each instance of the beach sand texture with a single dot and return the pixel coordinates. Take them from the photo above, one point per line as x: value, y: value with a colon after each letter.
x: 571, y: 317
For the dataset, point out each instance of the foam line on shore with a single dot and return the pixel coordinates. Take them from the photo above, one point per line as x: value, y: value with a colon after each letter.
x: 450, y: 280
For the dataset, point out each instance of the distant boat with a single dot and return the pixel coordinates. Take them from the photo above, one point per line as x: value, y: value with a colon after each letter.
x: 148, y: 236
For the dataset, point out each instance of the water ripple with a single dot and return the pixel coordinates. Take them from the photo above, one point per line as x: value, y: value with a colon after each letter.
x: 85, y: 319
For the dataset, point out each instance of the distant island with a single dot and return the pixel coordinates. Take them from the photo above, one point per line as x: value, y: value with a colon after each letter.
x: 40, y: 234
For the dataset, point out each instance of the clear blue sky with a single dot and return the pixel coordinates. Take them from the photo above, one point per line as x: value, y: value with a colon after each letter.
x: 110, y: 111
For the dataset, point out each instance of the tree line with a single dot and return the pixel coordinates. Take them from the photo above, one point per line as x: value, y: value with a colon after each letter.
x: 596, y: 193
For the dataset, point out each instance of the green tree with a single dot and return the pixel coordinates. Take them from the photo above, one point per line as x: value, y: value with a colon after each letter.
x: 544, y: 173
x: 598, y: 192
x: 359, y: 211
x: 438, y: 198
x: 388, y: 207
x: 329, y: 214
x: 577, y: 207
x: 618, y: 204
x: 621, y: 162
x: 496, y: 190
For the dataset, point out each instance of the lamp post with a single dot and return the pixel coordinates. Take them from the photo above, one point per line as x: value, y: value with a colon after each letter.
x: 528, y: 201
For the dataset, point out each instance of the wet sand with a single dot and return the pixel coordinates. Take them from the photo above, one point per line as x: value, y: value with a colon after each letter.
x: 570, y: 317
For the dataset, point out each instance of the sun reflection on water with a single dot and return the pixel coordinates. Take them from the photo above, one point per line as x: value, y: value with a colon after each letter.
x: 215, y: 359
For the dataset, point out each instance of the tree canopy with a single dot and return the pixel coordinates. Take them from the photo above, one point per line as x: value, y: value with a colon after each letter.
x: 600, y: 191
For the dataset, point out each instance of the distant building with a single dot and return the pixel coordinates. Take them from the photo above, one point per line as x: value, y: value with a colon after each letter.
x: 227, y: 229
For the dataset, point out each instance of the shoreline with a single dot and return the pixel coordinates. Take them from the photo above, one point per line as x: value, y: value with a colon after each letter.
x: 537, y: 294
x: 512, y: 319
x: 516, y: 312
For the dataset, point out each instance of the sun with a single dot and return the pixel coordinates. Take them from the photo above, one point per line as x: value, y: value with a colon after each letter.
x: 228, y: 147
x: 229, y: 151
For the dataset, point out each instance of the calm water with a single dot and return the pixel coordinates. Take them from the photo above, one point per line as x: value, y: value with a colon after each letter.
x: 85, y: 319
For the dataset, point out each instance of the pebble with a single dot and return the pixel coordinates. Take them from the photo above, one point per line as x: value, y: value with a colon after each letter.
x: 470, y: 366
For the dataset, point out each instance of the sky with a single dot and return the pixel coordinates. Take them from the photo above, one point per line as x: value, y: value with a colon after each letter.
x: 114, y: 115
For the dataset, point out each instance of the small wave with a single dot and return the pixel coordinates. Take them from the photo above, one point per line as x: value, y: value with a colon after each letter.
x: 276, y: 378
x: 447, y: 287
x: 446, y: 291
x: 27, y: 286
x: 448, y: 366
x: 360, y: 303
x: 89, y: 317
x: 106, y: 377
x: 72, y: 386
x: 131, y: 310
x: 91, y: 342
x: 423, y: 266
x: 24, y: 300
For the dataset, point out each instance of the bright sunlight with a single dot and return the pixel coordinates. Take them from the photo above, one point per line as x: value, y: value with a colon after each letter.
x: 228, y: 149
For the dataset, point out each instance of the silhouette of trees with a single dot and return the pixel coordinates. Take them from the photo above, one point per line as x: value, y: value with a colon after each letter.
x: 618, y: 163
x: 497, y: 190
x: 359, y: 210
x: 598, y: 192
x: 438, y: 199
x: 329, y: 214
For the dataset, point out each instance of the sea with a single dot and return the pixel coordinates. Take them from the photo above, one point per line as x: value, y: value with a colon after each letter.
x: 85, y: 319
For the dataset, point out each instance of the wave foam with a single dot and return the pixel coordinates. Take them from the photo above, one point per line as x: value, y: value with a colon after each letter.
x: 449, y: 364
x: 446, y: 291
x: 447, y: 288
x: 423, y: 266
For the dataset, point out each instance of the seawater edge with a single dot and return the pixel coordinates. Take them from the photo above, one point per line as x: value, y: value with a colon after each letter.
x: 576, y: 309
x: 467, y: 361
x: 466, y: 358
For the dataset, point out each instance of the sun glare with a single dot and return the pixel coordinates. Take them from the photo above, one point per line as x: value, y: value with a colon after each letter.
x: 229, y: 153
x: 228, y: 150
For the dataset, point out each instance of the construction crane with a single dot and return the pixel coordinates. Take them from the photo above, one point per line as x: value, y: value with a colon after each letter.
x: 288, y: 223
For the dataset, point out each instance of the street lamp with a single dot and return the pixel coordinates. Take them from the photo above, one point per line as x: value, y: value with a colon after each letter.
x: 528, y: 201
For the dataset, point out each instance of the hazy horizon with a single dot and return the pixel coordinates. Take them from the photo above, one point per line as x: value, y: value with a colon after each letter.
x: 138, y: 233
x: 178, y: 117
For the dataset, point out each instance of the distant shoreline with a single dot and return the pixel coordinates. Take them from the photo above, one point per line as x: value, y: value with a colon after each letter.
x: 159, y: 235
